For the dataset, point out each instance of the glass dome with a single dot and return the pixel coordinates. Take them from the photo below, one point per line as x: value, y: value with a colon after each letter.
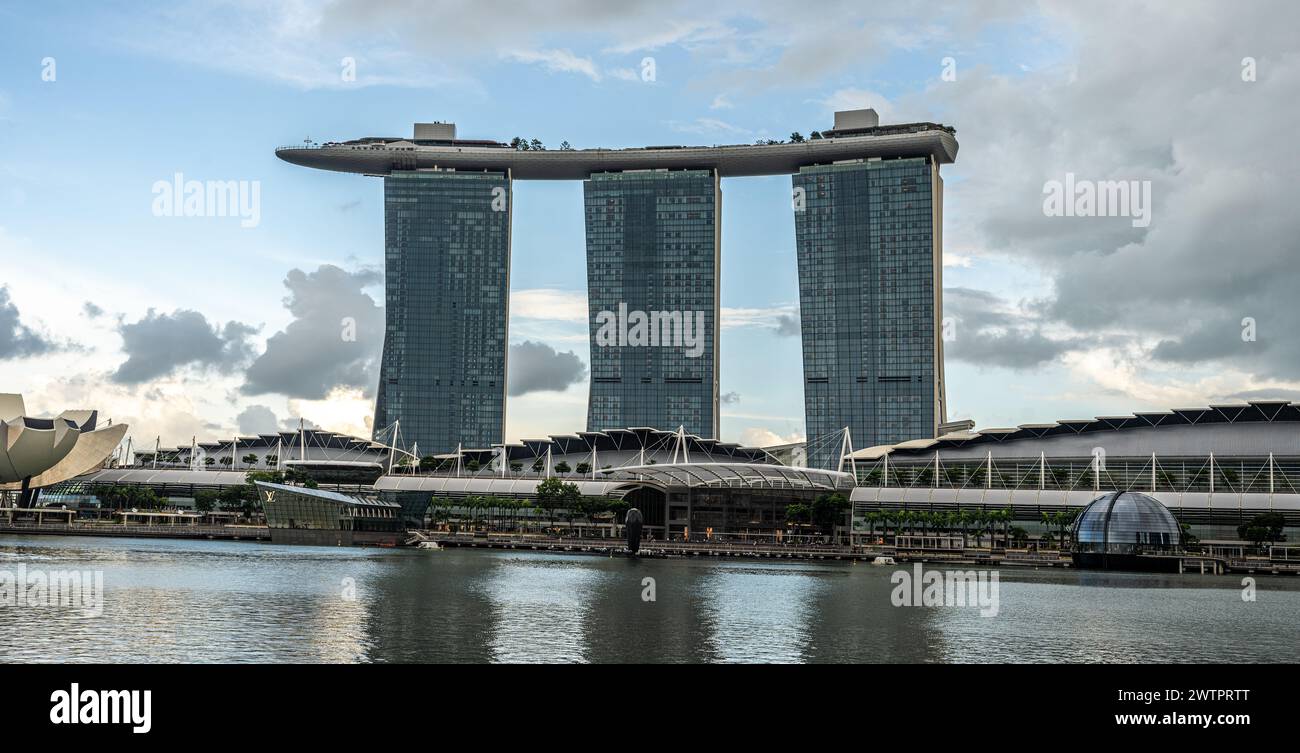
x: 1126, y: 523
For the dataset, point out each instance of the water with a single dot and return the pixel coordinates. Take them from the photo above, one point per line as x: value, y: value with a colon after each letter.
x: 205, y: 601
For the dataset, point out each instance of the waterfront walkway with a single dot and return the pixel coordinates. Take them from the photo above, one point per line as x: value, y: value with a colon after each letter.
x: 226, y: 533
x: 750, y: 550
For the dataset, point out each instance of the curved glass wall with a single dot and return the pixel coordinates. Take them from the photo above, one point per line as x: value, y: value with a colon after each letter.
x: 1126, y: 523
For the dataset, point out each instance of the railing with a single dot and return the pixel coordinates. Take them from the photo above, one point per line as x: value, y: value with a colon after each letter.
x: 119, y: 529
x: 657, y: 545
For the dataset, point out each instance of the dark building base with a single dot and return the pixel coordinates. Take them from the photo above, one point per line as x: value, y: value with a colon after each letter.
x: 327, y: 537
x: 1130, y: 562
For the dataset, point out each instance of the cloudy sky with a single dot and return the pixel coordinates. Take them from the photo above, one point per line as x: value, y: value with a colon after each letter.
x: 200, y: 326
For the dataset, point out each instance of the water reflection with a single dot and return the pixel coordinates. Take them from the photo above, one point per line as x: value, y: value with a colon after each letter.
x: 241, y: 602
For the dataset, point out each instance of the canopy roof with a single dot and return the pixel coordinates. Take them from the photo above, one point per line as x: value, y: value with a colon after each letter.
x: 747, y: 475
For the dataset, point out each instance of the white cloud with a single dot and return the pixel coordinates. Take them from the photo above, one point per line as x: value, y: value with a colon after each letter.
x: 770, y: 317
x: 708, y: 126
x: 761, y: 437
x: 549, y: 304
x: 557, y: 61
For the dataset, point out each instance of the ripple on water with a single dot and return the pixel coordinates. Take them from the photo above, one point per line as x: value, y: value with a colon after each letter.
x: 206, y: 601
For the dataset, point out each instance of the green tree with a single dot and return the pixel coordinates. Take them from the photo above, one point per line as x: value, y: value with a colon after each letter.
x: 249, y: 460
x: 590, y: 507
x: 828, y: 510
x: 619, y: 507
x: 583, y: 469
x: 554, y: 494
x: 205, y: 500
x: 1263, y: 527
x: 562, y: 468
x: 796, y: 137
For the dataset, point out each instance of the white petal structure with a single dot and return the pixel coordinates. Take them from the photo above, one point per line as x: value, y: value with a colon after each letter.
x: 45, y: 451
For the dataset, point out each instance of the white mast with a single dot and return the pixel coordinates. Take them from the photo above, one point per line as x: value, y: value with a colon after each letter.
x: 846, y: 451
x: 392, y: 446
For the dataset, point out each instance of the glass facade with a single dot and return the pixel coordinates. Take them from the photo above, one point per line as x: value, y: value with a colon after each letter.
x: 1125, y: 523
x: 300, y: 508
x: 653, y: 248
x: 867, y: 237
x: 447, y: 282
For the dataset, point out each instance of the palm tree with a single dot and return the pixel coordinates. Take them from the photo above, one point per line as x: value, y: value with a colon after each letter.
x: 872, y: 518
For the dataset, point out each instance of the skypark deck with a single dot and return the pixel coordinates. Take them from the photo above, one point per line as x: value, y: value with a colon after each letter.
x: 380, y: 156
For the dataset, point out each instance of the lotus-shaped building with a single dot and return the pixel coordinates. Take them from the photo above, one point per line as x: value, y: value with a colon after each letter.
x: 38, y: 452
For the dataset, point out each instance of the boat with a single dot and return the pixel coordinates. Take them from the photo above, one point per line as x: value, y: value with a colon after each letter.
x: 884, y: 561
x: 428, y: 545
